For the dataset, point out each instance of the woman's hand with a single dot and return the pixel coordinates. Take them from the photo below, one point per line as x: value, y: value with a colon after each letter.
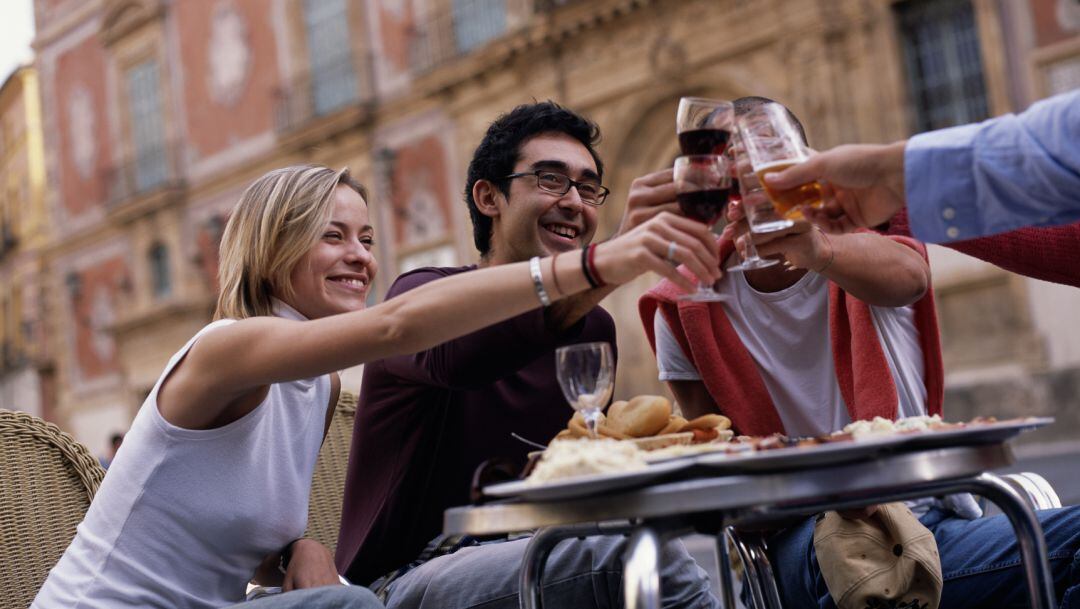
x: 646, y: 248
x: 311, y: 566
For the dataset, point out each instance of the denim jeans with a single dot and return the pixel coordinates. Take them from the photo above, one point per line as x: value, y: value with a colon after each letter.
x: 326, y: 597
x: 578, y: 573
x: 980, y: 561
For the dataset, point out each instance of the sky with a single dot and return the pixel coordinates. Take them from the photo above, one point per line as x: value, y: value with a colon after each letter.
x: 16, y: 32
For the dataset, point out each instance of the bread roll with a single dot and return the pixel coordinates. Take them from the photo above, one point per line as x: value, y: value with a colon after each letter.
x: 576, y: 428
x: 708, y: 421
x: 675, y: 423
x: 642, y: 416
x: 606, y: 431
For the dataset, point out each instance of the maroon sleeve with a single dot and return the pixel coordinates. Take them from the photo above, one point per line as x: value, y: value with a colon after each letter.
x: 1047, y: 253
x: 491, y: 353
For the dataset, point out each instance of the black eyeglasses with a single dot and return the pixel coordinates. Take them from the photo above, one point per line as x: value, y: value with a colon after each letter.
x: 591, y: 193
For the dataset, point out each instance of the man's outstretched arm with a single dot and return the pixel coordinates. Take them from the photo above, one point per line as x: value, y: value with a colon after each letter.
x: 959, y: 183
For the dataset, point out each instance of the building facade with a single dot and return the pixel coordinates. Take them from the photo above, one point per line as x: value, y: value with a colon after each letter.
x: 160, y: 112
x: 26, y: 370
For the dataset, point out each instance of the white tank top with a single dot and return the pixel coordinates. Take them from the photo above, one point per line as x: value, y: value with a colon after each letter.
x: 184, y: 517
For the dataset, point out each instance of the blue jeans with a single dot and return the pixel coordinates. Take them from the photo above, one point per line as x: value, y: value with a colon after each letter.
x: 578, y: 573
x: 326, y: 597
x: 980, y: 561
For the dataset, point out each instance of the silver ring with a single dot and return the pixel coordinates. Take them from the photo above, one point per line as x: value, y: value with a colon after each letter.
x: 671, y: 247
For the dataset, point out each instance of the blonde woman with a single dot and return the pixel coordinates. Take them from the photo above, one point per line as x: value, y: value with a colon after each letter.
x: 211, y: 485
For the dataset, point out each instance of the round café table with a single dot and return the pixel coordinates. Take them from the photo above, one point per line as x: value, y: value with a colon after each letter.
x: 700, y: 500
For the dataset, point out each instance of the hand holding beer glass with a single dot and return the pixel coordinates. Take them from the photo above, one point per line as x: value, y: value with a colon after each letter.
x: 756, y: 206
x: 702, y: 187
x: 773, y: 144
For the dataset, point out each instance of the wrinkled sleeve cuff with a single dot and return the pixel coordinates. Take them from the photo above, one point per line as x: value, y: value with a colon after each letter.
x: 939, y: 185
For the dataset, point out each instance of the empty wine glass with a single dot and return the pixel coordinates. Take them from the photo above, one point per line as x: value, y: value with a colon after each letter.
x: 586, y: 375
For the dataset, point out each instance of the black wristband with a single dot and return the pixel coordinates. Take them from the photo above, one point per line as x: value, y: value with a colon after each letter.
x: 585, y: 268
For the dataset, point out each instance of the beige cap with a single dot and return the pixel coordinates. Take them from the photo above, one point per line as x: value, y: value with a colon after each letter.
x: 888, y: 560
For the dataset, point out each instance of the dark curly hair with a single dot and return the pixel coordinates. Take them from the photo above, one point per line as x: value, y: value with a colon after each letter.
x: 500, y: 151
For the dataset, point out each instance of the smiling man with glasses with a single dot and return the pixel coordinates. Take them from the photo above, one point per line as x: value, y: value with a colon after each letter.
x: 426, y: 422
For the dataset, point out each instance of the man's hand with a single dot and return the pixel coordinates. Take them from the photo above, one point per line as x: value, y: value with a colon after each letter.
x: 863, y: 184
x: 650, y: 195
x: 311, y: 566
x: 800, y: 245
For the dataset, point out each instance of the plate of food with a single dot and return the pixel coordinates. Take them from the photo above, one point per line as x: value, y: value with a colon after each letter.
x: 578, y: 467
x: 861, y: 440
x: 932, y: 432
x: 634, y: 435
x: 778, y: 452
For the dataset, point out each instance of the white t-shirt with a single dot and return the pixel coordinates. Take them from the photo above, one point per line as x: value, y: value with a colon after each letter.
x: 787, y: 335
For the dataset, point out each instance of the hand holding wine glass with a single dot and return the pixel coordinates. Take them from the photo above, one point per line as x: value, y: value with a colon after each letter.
x: 702, y: 187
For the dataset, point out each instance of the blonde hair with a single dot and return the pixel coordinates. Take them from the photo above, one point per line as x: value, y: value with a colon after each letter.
x: 278, y: 219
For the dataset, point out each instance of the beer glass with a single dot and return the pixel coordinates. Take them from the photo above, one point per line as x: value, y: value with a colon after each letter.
x: 702, y: 188
x: 761, y: 214
x: 586, y: 375
x: 773, y: 144
x: 750, y: 195
x: 704, y: 126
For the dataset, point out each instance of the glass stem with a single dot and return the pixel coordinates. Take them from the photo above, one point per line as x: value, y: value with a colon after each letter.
x: 751, y: 249
x: 592, y: 420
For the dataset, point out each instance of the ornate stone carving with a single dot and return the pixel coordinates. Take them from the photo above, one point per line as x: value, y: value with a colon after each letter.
x: 80, y: 112
x: 667, y: 55
x: 228, y: 54
x: 101, y: 319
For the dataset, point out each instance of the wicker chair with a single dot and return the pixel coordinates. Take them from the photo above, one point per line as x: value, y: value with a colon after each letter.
x: 47, y: 483
x: 328, y: 484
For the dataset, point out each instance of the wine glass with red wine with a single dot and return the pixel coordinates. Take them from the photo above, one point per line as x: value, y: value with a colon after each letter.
x: 702, y: 188
x: 704, y: 125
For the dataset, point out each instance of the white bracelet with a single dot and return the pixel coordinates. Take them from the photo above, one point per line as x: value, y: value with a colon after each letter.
x: 538, y: 281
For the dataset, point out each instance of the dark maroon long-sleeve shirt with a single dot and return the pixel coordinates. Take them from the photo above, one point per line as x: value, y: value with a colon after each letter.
x: 426, y: 421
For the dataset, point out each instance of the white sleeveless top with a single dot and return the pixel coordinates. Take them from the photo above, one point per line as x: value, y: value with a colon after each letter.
x: 184, y: 517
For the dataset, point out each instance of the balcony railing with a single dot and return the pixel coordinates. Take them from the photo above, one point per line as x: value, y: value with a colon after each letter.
x: 323, y: 90
x: 146, y: 171
x: 464, y: 26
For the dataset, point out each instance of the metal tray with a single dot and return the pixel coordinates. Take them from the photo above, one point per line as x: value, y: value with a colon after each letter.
x: 775, y: 460
x: 837, y: 453
x: 974, y: 434
x: 581, y: 486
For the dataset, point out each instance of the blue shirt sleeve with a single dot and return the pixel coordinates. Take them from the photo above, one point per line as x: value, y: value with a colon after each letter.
x: 996, y: 176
